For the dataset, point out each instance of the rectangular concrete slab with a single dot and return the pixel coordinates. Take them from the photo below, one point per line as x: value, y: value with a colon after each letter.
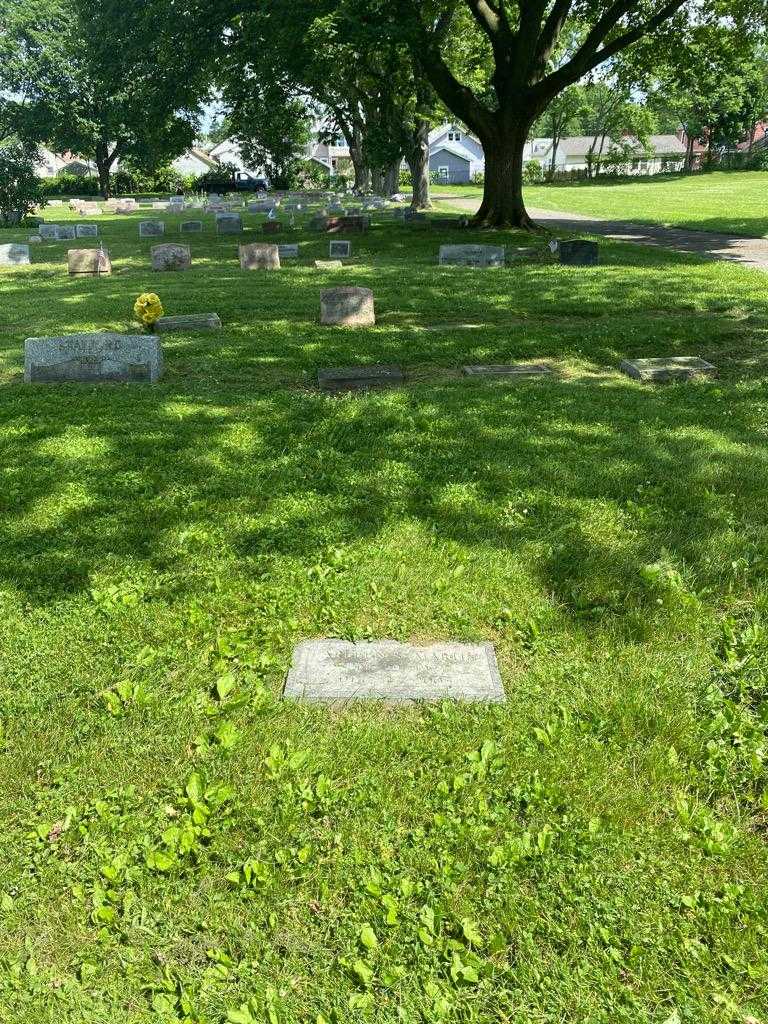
x: 338, y: 670
x: 668, y: 368
x: 508, y: 370
x: 359, y: 378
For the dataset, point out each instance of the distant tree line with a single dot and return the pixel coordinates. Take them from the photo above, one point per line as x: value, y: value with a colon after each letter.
x: 125, y: 80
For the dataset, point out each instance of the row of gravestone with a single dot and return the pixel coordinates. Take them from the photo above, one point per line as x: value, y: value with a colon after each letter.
x: 265, y: 256
x: 107, y: 356
x: 169, y: 256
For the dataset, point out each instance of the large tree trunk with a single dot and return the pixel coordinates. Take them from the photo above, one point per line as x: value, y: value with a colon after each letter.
x: 104, y: 162
x: 418, y: 164
x: 391, y: 182
x: 689, y: 153
x: 503, y: 205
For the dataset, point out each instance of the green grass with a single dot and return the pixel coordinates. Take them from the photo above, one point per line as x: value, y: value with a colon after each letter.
x: 732, y: 202
x: 176, y: 844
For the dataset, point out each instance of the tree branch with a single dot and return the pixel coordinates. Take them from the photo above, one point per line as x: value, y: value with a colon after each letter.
x: 552, y: 28
x: 486, y: 15
x: 584, y: 60
x: 457, y: 97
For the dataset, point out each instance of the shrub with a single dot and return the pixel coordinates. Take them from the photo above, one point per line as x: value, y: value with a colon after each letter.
x: 20, y: 187
x: 478, y: 178
x: 532, y: 172
x: 71, y: 185
x: 406, y: 181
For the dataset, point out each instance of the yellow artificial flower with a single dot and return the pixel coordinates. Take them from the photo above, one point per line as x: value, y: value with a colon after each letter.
x: 148, y: 308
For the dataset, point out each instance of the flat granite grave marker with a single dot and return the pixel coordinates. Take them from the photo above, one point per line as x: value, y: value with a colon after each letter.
x: 48, y: 231
x: 170, y: 256
x: 339, y: 670
x: 507, y: 370
x: 668, y: 368
x: 86, y: 230
x: 65, y: 232
x: 472, y: 256
x: 347, y: 307
x: 339, y: 249
x: 189, y: 226
x: 229, y: 223
x: 14, y: 255
x: 329, y: 265
x: 89, y: 263
x: 348, y: 223
x: 259, y: 256
x: 190, y: 322
x: 103, y: 356
x: 578, y: 252
x: 359, y: 378
x: 151, y: 228
x: 289, y: 252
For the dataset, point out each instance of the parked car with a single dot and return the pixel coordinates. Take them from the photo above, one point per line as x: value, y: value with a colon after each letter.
x: 238, y: 181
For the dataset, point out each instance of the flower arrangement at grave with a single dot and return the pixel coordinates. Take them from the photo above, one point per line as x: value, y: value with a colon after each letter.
x: 148, y: 308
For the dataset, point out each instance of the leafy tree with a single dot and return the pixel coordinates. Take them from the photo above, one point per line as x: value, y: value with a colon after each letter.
x: 535, y: 49
x: 20, y: 187
x: 562, y: 117
x: 610, y: 116
x: 98, y: 78
x: 332, y: 56
x: 714, y: 82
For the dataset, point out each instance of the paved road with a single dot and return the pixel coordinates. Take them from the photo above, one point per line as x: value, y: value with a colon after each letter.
x: 752, y: 252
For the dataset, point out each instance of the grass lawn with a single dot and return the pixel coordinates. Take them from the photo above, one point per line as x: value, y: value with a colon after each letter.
x: 733, y: 202
x: 176, y: 844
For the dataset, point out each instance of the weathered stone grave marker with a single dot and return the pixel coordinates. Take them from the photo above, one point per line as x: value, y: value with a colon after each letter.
x: 347, y: 307
x: 668, y: 368
x: 359, y: 378
x: 229, y: 223
x: 259, y: 256
x: 339, y: 249
x: 348, y: 223
x: 289, y: 252
x: 171, y: 256
x: 151, y: 228
x: 86, y: 230
x: 103, y: 356
x: 89, y: 263
x: 472, y: 256
x: 329, y: 265
x: 65, y: 232
x: 190, y: 226
x: 271, y: 227
x: 507, y: 370
x: 14, y: 255
x: 578, y: 252
x: 339, y: 670
x: 191, y: 322
x: 48, y: 231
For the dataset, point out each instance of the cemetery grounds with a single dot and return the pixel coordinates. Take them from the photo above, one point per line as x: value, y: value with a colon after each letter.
x: 177, y: 844
x: 733, y: 202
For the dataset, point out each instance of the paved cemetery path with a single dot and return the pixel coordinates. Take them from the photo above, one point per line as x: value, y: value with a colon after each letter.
x: 752, y: 252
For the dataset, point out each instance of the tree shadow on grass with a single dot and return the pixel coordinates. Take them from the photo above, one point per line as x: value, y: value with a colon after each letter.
x: 586, y: 483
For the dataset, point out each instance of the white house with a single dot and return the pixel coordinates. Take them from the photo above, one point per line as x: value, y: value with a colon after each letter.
x: 664, y: 152
x: 48, y: 163
x: 455, y: 155
x: 228, y: 153
x: 194, y: 161
x: 334, y: 154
